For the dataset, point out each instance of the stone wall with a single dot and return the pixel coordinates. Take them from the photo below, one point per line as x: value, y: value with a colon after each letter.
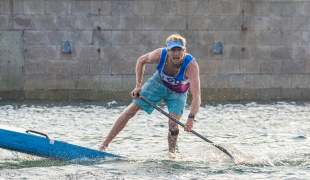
x: 266, y: 54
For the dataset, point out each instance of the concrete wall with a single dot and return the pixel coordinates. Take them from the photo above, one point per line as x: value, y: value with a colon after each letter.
x: 266, y: 52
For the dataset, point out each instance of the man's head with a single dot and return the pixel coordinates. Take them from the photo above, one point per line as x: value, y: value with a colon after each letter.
x: 175, y: 40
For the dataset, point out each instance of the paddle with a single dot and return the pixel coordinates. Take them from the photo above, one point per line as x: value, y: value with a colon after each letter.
x: 192, y: 131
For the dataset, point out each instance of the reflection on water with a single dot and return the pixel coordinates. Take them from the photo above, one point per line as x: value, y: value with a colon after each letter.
x: 271, y: 141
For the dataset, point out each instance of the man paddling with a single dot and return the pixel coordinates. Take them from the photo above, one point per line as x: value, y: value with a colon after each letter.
x: 177, y: 72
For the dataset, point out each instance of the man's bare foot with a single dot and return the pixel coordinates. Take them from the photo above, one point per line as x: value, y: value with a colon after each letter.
x: 103, y: 147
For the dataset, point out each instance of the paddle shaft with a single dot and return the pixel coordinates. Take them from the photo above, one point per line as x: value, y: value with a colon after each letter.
x: 192, y: 131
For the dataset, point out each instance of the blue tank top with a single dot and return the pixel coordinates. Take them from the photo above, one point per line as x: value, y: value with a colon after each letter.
x: 178, y: 83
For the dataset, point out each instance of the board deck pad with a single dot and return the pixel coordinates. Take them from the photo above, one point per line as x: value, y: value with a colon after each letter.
x: 18, y: 139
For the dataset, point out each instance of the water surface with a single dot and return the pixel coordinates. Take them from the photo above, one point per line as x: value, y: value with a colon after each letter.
x: 270, y: 140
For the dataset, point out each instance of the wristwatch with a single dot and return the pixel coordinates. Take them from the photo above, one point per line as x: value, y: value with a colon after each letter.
x: 191, y: 116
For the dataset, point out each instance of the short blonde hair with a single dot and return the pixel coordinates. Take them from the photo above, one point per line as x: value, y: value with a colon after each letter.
x: 177, y: 37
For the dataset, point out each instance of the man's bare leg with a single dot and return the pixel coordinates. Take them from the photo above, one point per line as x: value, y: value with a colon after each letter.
x: 173, y: 133
x: 120, y: 123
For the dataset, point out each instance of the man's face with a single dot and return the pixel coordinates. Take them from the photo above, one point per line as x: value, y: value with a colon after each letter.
x: 176, y: 55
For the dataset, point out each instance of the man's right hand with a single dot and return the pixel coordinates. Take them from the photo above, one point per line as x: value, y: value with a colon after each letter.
x: 135, y: 92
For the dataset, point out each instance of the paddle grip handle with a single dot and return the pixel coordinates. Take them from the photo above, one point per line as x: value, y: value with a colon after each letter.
x: 36, y: 132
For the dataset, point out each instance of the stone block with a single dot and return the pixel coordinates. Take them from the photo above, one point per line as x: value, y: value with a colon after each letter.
x: 204, y: 80
x: 229, y: 38
x: 56, y: 67
x: 21, y: 22
x: 201, y: 53
x: 271, y: 67
x: 148, y: 38
x: 4, y: 19
x: 40, y: 81
x: 229, y: 67
x: 261, y: 52
x: 239, y: 53
x: 56, y: 7
x: 281, y: 81
x: 177, y: 23
x: 132, y: 52
x: 249, y: 8
x: 36, y: 94
x: 281, y: 9
x: 209, y: 94
x: 206, y: 38
x: 65, y: 82
x: 44, y: 22
x: 291, y: 38
x: 100, y: 95
x: 85, y: 82
x: 199, y: 8
x: 196, y: 23
x: 293, y: 94
x: 12, y: 95
x: 305, y: 38
x: 281, y: 53
x: 155, y: 22
x: 208, y: 67
x: 102, y: 38
x: 122, y: 37
x: 34, y: 7
x: 111, y: 82
x: 259, y: 81
x: 166, y: 8
x: 108, y: 22
x: 56, y: 95
x: 264, y: 95
x: 90, y: 7
x: 35, y: 67
x: 135, y: 22
x: 220, y: 23
x: 123, y: 96
x: 218, y: 81
x: 121, y: 8
x: 5, y: 7
x: 111, y: 52
x: 83, y: 37
x: 300, y: 81
x: 229, y: 8
x: 301, y: 9
x: 100, y: 67
x: 129, y: 82
x: 144, y: 7
x: 79, y: 94
x: 300, y: 52
x: 239, y: 81
x: 123, y: 67
x: 270, y: 37
x: 18, y: 7
x: 261, y: 23
x: 300, y: 23
x: 89, y: 52
x: 94, y: 22
x: 35, y: 37
x: 40, y: 52
x: 67, y: 22
x: 249, y: 66
x: 229, y: 94
x: 306, y: 66
x: 292, y: 66
x: 280, y: 23
x: 55, y: 37
x: 78, y: 67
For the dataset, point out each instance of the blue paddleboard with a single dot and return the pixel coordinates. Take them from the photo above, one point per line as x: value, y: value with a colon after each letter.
x: 39, y: 144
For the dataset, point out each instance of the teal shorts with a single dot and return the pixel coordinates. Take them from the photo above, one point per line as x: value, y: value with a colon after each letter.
x: 155, y: 90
